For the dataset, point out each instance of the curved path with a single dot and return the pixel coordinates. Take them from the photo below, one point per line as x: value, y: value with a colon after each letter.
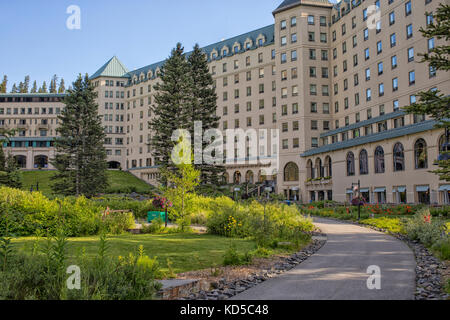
x: 339, y: 270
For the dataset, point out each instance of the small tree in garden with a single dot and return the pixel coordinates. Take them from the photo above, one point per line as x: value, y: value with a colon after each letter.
x: 180, y: 185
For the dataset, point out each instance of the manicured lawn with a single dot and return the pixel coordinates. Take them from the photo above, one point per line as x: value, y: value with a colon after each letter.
x: 188, y: 252
x: 121, y: 179
x: 117, y: 180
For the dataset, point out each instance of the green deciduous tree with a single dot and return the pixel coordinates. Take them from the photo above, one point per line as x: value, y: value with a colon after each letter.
x: 433, y: 102
x: 181, y: 184
x: 80, y: 154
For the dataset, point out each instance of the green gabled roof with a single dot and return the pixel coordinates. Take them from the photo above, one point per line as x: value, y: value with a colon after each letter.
x: 288, y: 4
x: 113, y: 68
x: 376, y: 137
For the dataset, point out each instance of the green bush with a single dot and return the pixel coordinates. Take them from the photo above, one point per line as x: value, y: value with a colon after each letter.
x: 277, y: 221
x: 153, y: 228
x: 233, y: 258
x: 30, y: 212
x: 393, y: 225
x: 118, y: 222
x: 442, y: 248
x: 424, y: 228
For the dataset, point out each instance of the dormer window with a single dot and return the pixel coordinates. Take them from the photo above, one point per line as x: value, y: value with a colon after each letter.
x: 236, y: 49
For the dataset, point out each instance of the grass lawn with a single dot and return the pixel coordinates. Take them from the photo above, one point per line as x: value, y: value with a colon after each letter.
x: 188, y: 252
x: 117, y: 179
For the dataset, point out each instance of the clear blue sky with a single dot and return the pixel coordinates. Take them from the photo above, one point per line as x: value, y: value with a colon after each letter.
x: 35, y: 40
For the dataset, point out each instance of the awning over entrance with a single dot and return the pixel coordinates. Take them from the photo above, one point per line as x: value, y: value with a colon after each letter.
x: 444, y: 188
x: 423, y: 188
x: 349, y: 191
x: 380, y: 190
x: 365, y: 190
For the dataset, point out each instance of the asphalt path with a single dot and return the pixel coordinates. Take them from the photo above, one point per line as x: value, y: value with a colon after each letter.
x: 344, y: 269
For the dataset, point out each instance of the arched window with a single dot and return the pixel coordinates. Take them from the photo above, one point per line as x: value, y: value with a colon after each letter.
x: 329, y: 166
x: 350, y: 164
x: 363, y: 162
x: 379, y: 160
x: 21, y: 161
x: 420, y: 154
x: 399, y: 157
x: 226, y: 177
x: 249, y: 177
x: 237, y: 177
x: 310, y: 168
x: 291, y: 172
x: 319, y: 168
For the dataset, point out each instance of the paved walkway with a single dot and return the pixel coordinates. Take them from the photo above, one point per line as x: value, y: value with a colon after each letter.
x: 339, y: 270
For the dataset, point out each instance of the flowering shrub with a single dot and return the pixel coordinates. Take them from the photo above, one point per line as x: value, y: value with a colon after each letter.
x: 424, y: 228
x: 162, y: 203
x: 249, y: 220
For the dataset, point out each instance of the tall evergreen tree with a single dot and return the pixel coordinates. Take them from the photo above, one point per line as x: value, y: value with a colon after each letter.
x: 26, y: 84
x: 2, y: 158
x: 14, y: 89
x: 43, y: 88
x: 4, y: 84
x: 53, y: 84
x: 172, y: 99
x: 80, y: 154
x: 433, y: 102
x: 34, y: 88
x: 203, y: 108
x: 62, y: 86
x: 21, y: 87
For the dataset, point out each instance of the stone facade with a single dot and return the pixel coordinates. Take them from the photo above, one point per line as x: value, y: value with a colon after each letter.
x: 330, y: 80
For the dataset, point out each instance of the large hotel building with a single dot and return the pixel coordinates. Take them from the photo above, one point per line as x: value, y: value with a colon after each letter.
x: 330, y: 78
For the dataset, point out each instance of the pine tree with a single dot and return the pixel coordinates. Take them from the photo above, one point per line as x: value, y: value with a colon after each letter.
x: 14, y: 177
x: 62, y: 87
x: 2, y: 158
x: 34, y: 88
x: 204, y: 107
x: 43, y: 88
x: 26, y: 85
x: 14, y: 89
x: 21, y: 87
x: 4, y: 84
x: 433, y: 102
x: 80, y: 154
x: 172, y: 99
x: 53, y: 84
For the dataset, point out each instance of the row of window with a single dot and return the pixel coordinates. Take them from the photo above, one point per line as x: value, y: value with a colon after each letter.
x: 29, y: 111
x: 420, y: 159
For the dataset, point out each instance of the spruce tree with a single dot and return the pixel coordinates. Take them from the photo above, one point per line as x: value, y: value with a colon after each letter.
x: 26, y: 85
x: 2, y: 158
x: 53, y: 84
x: 4, y: 84
x: 21, y: 87
x: 14, y: 177
x: 433, y: 102
x: 80, y: 154
x: 14, y: 89
x: 204, y: 108
x: 172, y: 99
x: 43, y: 88
x: 62, y: 87
x: 34, y: 88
